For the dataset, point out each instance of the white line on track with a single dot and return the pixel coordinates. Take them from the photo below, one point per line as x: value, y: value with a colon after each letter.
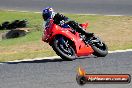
x: 118, y: 51
x: 75, y: 13
x: 55, y: 57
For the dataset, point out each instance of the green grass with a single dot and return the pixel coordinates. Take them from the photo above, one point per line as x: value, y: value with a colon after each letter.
x: 115, y: 31
x: 33, y: 18
x: 33, y: 36
x: 26, y: 55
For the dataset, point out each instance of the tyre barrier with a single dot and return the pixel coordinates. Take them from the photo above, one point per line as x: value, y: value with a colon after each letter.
x: 14, y: 34
x: 13, y: 25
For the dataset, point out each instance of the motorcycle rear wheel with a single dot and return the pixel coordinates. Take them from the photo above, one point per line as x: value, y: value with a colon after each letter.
x: 99, y: 47
x: 100, y: 51
x: 62, y: 48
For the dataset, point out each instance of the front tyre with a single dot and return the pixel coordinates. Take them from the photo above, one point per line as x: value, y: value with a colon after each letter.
x: 63, y: 48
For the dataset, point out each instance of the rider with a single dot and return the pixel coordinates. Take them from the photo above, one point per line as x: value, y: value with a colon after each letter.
x: 59, y: 19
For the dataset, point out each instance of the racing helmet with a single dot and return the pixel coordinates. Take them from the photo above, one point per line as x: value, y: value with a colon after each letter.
x: 48, y: 13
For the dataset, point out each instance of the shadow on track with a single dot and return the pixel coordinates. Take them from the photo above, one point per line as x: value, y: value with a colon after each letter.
x: 46, y: 60
x: 37, y: 61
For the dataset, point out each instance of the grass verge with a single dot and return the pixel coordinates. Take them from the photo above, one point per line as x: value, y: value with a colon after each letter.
x: 115, y: 31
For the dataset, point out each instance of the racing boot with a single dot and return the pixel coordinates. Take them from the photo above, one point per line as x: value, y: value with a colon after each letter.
x: 84, y: 32
x: 79, y: 29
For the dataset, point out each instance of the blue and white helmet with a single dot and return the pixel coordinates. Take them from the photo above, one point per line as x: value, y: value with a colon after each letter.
x: 48, y: 13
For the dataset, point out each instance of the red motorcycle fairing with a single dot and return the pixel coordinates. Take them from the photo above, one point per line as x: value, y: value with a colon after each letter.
x: 53, y: 30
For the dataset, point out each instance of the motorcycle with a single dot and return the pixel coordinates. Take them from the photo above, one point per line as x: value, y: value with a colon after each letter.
x: 69, y: 44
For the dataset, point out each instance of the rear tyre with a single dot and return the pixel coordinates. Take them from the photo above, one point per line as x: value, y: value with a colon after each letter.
x: 100, y: 48
x: 63, y: 48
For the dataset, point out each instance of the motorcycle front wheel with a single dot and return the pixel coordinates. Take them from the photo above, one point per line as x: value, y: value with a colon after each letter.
x: 63, y: 48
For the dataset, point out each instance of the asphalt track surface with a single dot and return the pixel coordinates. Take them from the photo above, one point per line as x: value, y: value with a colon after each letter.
x: 57, y: 73
x: 107, y: 7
